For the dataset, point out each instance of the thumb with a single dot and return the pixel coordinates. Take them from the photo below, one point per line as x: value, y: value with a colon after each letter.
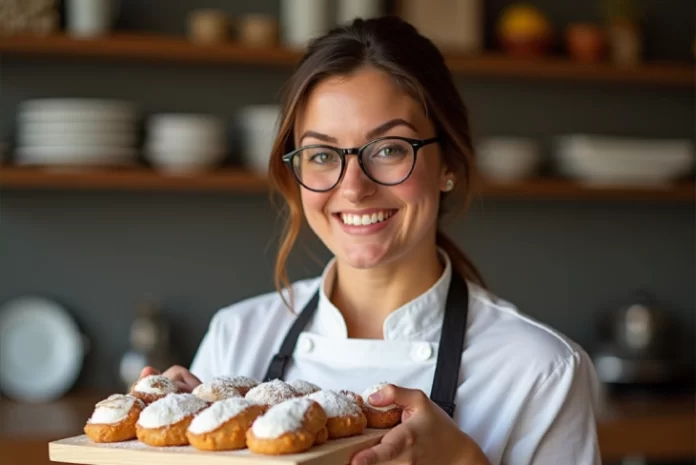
x: 411, y: 399
x: 147, y: 371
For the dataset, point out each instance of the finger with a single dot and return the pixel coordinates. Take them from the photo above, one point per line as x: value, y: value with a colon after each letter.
x: 147, y: 371
x: 182, y: 378
x: 393, y: 444
x: 183, y: 386
x: 403, y: 397
x: 186, y: 381
x: 190, y: 379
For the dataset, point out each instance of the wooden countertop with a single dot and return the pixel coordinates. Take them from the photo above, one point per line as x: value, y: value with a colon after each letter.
x: 658, y: 430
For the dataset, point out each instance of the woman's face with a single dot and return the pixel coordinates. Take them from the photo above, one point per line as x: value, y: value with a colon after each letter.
x: 349, y: 111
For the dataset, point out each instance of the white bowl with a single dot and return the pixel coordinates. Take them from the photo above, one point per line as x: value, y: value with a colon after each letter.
x: 508, y: 158
x: 612, y: 160
x: 185, y: 125
x: 259, y: 125
x: 184, y: 161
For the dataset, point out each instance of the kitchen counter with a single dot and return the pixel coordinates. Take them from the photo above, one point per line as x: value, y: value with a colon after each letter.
x: 655, y: 429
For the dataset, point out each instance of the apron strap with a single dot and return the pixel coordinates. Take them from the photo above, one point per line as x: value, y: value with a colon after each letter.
x: 279, y: 363
x: 449, y: 356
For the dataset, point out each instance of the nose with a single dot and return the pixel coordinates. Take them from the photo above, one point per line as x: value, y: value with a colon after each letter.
x: 355, y: 185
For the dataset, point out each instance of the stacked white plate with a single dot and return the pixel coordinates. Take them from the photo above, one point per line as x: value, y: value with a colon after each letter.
x: 76, y: 132
x: 605, y: 160
x: 184, y: 143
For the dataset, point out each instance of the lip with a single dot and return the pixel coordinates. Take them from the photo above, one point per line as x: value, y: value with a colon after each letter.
x: 363, y: 230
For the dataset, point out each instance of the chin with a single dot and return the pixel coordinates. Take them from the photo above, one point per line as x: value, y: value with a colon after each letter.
x: 363, y: 256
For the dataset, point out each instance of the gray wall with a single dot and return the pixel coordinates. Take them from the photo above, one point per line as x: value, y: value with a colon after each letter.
x: 564, y: 262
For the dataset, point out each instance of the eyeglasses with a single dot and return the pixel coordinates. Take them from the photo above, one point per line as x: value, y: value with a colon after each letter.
x: 388, y: 161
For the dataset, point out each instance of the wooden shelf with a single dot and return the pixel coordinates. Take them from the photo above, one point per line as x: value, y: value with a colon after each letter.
x: 237, y: 180
x: 159, y: 48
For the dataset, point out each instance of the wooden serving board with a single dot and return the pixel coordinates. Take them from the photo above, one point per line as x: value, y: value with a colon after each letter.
x: 80, y: 449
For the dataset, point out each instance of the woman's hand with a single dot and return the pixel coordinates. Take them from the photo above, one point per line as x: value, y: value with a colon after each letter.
x: 426, y: 434
x: 183, y: 378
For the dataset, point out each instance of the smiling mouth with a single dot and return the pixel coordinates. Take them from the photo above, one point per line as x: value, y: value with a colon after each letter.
x: 377, y: 216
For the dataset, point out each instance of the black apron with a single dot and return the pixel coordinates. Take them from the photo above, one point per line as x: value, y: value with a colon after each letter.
x: 449, y: 355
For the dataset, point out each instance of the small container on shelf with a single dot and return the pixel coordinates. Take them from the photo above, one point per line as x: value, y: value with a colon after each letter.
x: 208, y: 26
x: 258, y: 31
x: 586, y: 43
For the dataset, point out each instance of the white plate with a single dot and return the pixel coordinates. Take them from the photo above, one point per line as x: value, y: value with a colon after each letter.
x: 76, y: 127
x: 112, y: 138
x: 61, y: 154
x: 76, y: 110
x: 41, y: 349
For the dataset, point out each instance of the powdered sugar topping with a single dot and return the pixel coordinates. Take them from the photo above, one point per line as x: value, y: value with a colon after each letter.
x: 271, y: 393
x: 240, y: 381
x: 217, y: 389
x: 211, y: 418
x: 170, y: 409
x: 335, y: 404
x: 113, y: 409
x: 303, y: 387
x: 282, y: 418
x: 155, y: 384
x: 371, y: 390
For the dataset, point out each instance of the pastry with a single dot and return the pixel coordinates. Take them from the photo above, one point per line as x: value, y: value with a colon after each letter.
x: 303, y: 387
x: 271, y: 393
x: 114, y: 418
x: 355, y: 396
x: 344, y: 416
x: 289, y: 427
x: 164, y: 422
x: 223, y: 425
x: 380, y: 417
x: 217, y: 389
x: 153, y: 387
x: 322, y: 436
x: 242, y: 383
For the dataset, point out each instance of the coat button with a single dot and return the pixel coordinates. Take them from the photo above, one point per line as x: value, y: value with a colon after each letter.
x: 422, y: 352
x: 306, y: 345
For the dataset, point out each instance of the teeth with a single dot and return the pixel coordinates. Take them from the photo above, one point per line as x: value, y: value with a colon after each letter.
x: 364, y: 220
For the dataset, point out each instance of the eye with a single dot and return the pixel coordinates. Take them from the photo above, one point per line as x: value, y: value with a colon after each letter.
x: 322, y: 158
x: 390, y: 151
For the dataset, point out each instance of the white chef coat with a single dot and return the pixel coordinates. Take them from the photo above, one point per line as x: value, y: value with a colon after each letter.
x: 526, y: 393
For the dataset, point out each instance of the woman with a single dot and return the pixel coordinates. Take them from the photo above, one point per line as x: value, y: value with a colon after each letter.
x: 373, y: 149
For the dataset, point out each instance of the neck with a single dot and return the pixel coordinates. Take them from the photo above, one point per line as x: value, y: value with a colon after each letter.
x: 366, y: 297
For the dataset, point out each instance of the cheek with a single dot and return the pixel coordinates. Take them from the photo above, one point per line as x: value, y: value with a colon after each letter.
x: 420, y: 189
x: 314, y: 204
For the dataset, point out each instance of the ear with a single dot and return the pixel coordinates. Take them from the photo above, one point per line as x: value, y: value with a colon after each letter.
x: 447, y: 179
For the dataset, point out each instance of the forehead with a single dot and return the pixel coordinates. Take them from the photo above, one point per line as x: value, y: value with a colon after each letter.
x: 351, y: 105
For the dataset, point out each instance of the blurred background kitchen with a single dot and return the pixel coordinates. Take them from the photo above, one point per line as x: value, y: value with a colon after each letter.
x: 134, y: 138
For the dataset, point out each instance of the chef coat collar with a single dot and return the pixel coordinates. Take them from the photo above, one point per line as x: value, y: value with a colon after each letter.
x: 408, y: 322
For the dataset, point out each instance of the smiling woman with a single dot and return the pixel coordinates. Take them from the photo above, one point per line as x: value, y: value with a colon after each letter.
x: 373, y: 150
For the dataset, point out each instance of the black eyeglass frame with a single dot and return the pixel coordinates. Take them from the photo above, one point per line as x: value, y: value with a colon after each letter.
x: 416, y: 144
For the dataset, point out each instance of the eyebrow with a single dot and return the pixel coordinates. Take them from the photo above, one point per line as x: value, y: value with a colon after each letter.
x: 378, y: 131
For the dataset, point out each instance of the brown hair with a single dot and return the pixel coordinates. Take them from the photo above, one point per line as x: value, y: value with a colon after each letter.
x: 395, y: 47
